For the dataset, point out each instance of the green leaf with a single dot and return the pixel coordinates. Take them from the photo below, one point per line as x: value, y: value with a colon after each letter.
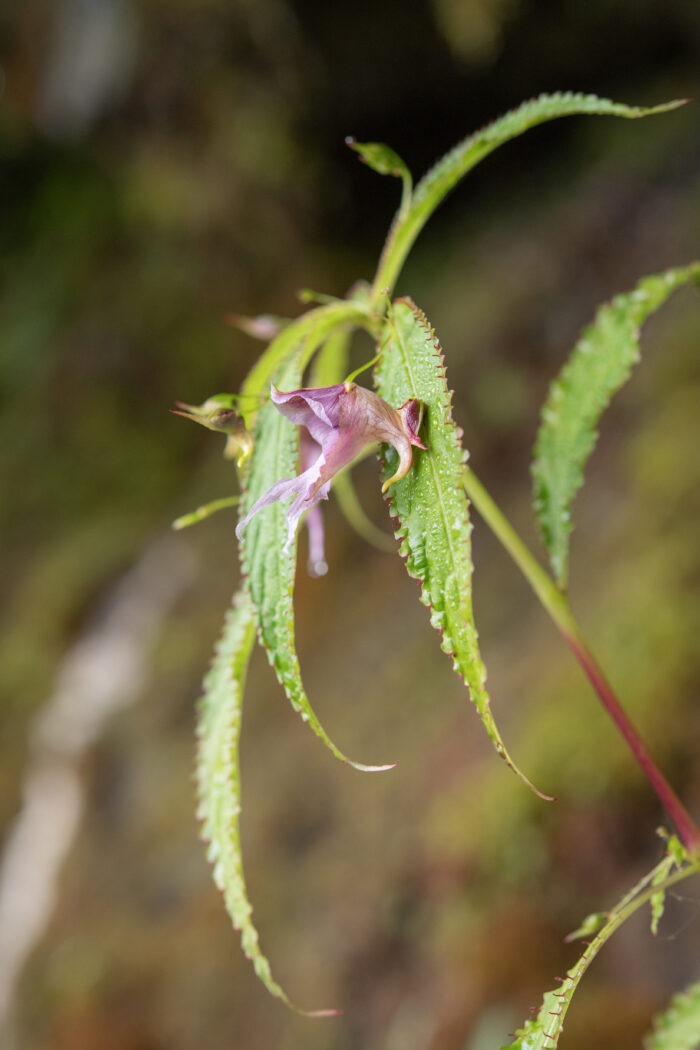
x: 599, y: 365
x: 678, y: 1027
x: 381, y: 158
x: 385, y: 161
x: 429, y: 505
x: 270, y: 569
x: 658, y: 900
x: 218, y: 777
x: 444, y: 176
x: 676, y: 855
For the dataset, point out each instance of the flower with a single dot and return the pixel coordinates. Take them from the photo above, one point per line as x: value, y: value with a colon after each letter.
x: 217, y: 413
x: 340, y: 420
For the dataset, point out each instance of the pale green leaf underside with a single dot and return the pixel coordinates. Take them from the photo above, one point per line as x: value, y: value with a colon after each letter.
x: 429, y: 505
x: 442, y: 178
x: 269, y: 569
x: 218, y: 778
x: 678, y: 1027
x: 599, y: 365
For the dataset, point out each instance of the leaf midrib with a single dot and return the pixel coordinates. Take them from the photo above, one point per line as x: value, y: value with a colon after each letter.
x: 431, y: 460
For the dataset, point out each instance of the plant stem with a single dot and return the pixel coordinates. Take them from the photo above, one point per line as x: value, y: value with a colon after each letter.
x: 556, y: 604
x: 641, y: 894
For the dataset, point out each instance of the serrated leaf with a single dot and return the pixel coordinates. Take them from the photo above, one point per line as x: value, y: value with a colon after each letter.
x: 675, y: 857
x: 429, y: 505
x: 677, y: 850
x: 542, y: 1032
x: 678, y: 1027
x: 270, y: 570
x: 218, y: 780
x: 444, y: 176
x: 599, y: 365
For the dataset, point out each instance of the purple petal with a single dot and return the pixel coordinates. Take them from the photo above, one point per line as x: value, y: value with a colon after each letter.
x: 306, y: 491
x: 313, y: 408
x: 280, y: 490
x: 317, y: 564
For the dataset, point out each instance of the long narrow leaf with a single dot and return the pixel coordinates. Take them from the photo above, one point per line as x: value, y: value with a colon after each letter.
x: 599, y: 365
x: 269, y: 568
x: 442, y: 178
x: 218, y: 778
x: 429, y: 505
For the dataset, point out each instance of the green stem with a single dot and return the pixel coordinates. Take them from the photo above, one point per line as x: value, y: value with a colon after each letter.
x: 622, y: 911
x: 556, y: 604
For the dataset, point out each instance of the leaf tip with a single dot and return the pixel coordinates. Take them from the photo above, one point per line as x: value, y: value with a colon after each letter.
x: 373, y: 769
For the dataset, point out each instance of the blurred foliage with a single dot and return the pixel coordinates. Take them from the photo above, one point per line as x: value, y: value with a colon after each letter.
x: 211, y: 176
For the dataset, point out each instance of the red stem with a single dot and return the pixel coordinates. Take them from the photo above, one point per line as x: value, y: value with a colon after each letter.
x: 689, y: 833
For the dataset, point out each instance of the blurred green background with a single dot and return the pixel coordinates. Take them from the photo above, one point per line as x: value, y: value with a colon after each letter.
x: 162, y: 163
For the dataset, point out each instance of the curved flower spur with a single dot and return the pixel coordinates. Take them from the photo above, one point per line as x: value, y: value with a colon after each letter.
x: 341, y: 421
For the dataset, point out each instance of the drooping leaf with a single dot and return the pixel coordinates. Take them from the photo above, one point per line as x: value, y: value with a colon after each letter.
x: 676, y: 855
x: 218, y: 777
x: 270, y: 569
x: 678, y: 1027
x: 599, y: 365
x: 444, y: 176
x: 658, y: 901
x: 429, y: 505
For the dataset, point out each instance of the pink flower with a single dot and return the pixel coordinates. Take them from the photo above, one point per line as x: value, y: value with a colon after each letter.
x: 341, y: 420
